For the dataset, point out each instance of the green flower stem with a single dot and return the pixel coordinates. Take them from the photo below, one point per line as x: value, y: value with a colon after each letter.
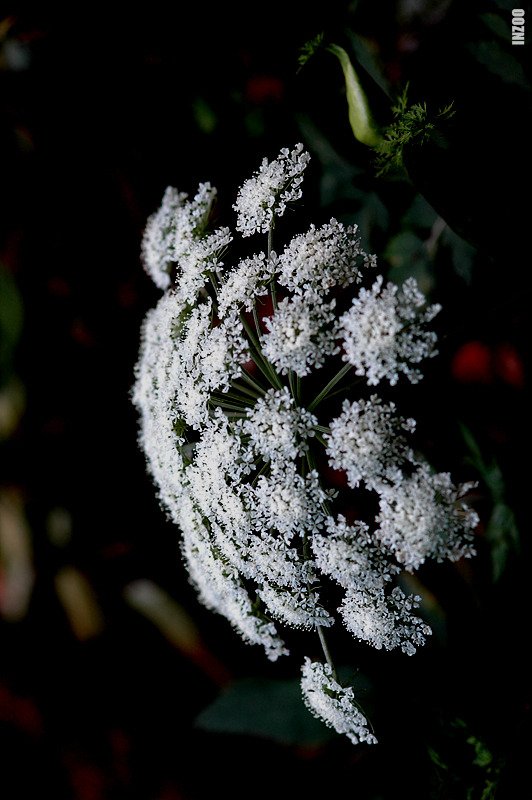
x: 214, y: 281
x: 332, y: 383
x: 249, y: 379
x: 264, y: 366
x: 270, y: 241
x: 228, y: 406
x: 294, y: 383
x: 326, y: 651
x: 274, y: 294
x: 238, y: 398
x: 263, y: 471
x: 320, y: 438
x: 256, y: 320
x: 239, y: 390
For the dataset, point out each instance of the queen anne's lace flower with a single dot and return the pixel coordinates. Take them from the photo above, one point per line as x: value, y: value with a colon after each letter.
x: 158, y: 242
x: 384, y: 332
x: 332, y: 703
x: 423, y: 516
x: 278, y: 428
x: 266, y: 195
x: 367, y: 441
x: 300, y: 336
x: 238, y: 437
x: 316, y: 261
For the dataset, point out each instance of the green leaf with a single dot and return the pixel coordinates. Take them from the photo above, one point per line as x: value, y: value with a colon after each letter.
x: 462, y: 254
x: 307, y: 50
x: 361, y: 119
x: 501, y: 532
x: 265, y: 708
x: 11, y: 321
x: 499, y: 62
x: 365, y: 55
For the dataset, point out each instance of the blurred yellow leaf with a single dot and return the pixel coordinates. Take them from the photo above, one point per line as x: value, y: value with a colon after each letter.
x: 17, y: 573
x: 79, y: 603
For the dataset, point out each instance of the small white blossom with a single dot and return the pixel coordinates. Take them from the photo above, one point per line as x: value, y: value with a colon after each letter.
x: 300, y: 336
x: 158, y: 241
x: 266, y: 195
x: 384, y: 620
x: 176, y: 236
x: 202, y: 257
x: 314, y: 262
x: 279, y: 429
x: 191, y: 220
x: 333, y: 704
x: 367, y: 442
x: 220, y: 587
x: 287, y: 501
x: 384, y: 332
x: 350, y: 554
x: 421, y: 516
x: 296, y: 608
x: 245, y: 284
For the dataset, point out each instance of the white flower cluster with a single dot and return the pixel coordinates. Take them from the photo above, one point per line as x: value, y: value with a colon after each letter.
x: 332, y: 703
x: 385, y: 332
x: 176, y: 237
x: 237, y: 432
x: 266, y: 195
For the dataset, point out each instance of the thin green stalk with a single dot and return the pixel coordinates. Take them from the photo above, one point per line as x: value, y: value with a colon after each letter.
x: 293, y: 386
x: 326, y: 652
x: 256, y: 320
x: 228, y: 406
x: 246, y: 390
x: 264, y: 469
x: 264, y: 366
x: 270, y: 241
x: 246, y: 376
x: 222, y: 396
x: 324, y: 392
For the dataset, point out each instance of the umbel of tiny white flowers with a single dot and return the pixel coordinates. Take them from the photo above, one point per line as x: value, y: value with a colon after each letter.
x: 235, y: 430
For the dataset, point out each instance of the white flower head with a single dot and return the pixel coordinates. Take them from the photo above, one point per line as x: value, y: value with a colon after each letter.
x: 158, y: 242
x: 266, y: 195
x: 333, y: 704
x: 384, y: 620
x: 233, y: 408
x: 176, y: 237
x: 316, y: 261
x: 279, y: 429
x: 300, y: 336
x: 423, y: 516
x: 246, y: 283
x: 367, y: 441
x: 384, y: 332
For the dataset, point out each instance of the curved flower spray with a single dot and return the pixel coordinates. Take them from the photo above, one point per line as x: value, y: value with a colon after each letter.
x: 244, y: 414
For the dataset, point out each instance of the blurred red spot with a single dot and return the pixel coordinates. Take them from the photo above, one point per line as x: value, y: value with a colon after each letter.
x: 81, y: 334
x: 58, y: 286
x: 472, y: 363
x: 127, y: 295
x: 476, y: 362
x: 508, y: 365
x: 263, y: 88
x: 336, y: 477
x: 21, y: 712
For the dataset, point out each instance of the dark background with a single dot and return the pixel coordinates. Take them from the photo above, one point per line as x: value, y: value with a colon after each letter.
x: 99, y: 112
